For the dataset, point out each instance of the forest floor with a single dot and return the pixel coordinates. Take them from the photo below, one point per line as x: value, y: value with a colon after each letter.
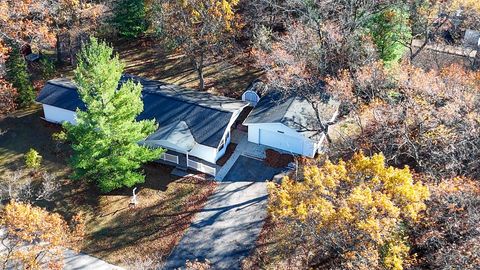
x: 114, y: 232
x: 150, y: 59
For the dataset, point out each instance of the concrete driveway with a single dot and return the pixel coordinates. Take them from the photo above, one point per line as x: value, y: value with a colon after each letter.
x: 250, y: 169
x: 226, y: 229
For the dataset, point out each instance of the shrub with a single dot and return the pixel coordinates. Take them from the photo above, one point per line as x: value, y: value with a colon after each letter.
x: 33, y: 159
x: 47, y: 67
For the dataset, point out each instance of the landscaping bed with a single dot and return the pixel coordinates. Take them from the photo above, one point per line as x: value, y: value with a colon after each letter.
x: 228, y: 153
x: 277, y: 160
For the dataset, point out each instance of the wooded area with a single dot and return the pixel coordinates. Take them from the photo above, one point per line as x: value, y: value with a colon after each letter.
x: 396, y: 187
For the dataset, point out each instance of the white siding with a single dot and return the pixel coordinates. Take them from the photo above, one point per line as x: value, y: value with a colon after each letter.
x: 207, y: 153
x: 283, y: 134
x: 58, y: 115
x: 204, y: 152
x: 222, y: 151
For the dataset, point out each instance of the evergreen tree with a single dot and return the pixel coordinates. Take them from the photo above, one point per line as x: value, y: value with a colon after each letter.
x: 17, y: 75
x: 130, y: 18
x: 390, y: 32
x: 105, y: 139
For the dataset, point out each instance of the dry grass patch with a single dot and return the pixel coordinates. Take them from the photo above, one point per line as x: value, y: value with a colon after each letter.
x: 118, y: 233
x: 114, y: 231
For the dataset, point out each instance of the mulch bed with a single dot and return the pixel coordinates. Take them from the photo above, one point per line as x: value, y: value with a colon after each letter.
x: 228, y: 153
x: 277, y: 160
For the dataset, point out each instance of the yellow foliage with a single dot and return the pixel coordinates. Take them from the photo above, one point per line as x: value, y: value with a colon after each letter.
x: 465, y: 4
x: 27, y: 226
x: 396, y: 252
x: 361, y: 196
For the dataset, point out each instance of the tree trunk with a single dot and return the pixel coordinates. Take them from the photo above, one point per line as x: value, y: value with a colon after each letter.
x: 198, y: 65
x: 201, y: 84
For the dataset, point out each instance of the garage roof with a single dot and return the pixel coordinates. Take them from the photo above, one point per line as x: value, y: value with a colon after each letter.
x: 206, y: 116
x: 294, y: 112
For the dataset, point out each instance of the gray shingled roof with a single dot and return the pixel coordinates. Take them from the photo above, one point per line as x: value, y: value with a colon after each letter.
x: 293, y: 112
x: 206, y: 115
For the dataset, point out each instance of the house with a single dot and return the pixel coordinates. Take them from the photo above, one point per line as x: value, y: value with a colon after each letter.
x: 194, y: 126
x: 288, y: 123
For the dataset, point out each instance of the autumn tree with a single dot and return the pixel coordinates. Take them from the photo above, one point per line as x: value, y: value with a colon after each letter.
x: 34, y: 238
x: 25, y: 22
x: 8, y: 97
x: 37, y: 23
x: 106, y: 138
x: 349, y: 215
x: 448, y: 237
x: 424, y: 119
x: 199, y: 28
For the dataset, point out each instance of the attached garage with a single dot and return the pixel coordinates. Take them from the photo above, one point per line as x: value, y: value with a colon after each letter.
x: 281, y: 137
x: 285, y: 124
x: 280, y: 141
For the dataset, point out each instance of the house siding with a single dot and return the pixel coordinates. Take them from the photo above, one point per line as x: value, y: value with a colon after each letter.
x: 59, y: 115
x: 204, y: 152
x: 309, y: 146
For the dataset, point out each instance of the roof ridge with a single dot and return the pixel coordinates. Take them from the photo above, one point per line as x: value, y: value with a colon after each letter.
x: 159, y: 91
x: 52, y: 81
x: 186, y: 100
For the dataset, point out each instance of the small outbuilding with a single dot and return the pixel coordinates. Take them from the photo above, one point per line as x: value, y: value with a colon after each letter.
x: 288, y: 123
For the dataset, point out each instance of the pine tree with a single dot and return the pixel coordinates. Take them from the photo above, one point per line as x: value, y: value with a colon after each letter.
x: 130, y: 18
x: 390, y: 31
x: 17, y: 75
x: 105, y: 139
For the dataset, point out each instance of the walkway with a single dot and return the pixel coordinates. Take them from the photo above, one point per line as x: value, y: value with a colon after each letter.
x: 226, y: 229
x: 80, y: 261
x: 244, y: 147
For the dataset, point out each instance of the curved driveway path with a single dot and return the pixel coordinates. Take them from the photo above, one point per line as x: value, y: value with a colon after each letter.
x: 226, y: 229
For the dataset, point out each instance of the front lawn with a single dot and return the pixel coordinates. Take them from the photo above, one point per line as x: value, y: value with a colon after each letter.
x: 114, y: 232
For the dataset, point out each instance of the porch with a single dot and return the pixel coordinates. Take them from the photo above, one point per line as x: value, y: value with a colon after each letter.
x: 183, y: 162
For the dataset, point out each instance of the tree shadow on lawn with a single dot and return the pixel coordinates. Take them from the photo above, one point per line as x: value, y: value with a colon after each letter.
x: 113, y: 230
x: 152, y: 228
x: 30, y: 131
x: 148, y: 58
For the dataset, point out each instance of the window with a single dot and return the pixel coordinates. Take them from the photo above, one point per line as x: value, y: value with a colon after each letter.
x: 222, y: 144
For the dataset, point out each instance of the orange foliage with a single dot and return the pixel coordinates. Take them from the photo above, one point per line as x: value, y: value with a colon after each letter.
x: 35, y: 238
x: 8, y: 95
